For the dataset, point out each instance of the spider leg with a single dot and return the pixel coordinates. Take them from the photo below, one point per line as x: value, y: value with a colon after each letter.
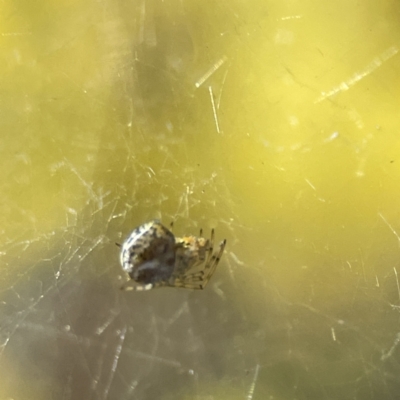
x: 131, y: 285
x: 212, y: 264
x: 210, y: 258
x: 188, y: 281
x: 186, y: 284
x: 199, y: 280
x: 210, y: 250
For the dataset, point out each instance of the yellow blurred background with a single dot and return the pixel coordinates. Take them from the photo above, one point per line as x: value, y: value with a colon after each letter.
x: 277, y: 123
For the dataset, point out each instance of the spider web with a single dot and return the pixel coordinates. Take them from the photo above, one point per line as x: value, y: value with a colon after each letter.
x: 119, y: 116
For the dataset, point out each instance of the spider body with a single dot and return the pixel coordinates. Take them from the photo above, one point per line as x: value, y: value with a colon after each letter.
x: 152, y: 257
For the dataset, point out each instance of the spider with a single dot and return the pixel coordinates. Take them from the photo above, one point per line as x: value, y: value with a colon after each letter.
x: 153, y: 257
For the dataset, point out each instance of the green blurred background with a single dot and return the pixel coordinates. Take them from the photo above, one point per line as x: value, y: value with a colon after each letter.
x: 276, y: 123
